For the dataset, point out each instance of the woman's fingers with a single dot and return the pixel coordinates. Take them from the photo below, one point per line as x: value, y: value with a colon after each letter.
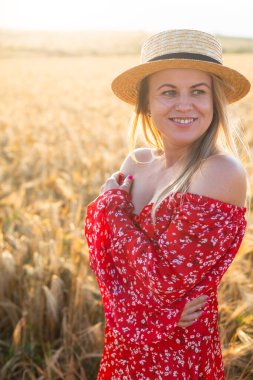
x: 112, y: 182
x: 127, y: 183
x: 117, y: 181
x: 184, y: 324
x: 193, y: 308
x: 116, y: 176
x: 192, y: 317
x: 121, y: 178
x: 196, y: 303
x: 192, y: 311
x: 189, y: 319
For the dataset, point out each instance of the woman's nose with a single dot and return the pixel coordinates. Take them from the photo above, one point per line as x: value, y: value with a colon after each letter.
x: 183, y: 104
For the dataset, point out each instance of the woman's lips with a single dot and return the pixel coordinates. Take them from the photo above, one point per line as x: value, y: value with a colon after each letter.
x: 184, y: 121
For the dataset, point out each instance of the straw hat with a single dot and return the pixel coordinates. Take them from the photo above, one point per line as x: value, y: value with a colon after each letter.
x: 181, y: 48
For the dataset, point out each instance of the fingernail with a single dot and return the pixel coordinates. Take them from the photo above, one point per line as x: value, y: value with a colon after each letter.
x: 130, y: 177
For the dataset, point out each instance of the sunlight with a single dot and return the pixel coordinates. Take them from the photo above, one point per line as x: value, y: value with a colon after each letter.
x: 74, y: 15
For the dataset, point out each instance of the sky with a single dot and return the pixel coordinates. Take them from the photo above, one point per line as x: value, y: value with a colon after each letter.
x: 226, y: 17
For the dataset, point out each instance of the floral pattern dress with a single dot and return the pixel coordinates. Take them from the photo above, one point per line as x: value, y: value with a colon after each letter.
x: 147, y: 272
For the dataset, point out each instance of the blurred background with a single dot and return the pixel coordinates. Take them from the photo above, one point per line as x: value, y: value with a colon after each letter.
x: 62, y: 133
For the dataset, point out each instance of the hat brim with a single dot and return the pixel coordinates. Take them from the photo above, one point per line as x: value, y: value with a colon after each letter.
x: 126, y: 85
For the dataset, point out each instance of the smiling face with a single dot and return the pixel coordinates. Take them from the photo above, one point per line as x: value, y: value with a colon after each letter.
x: 181, y: 105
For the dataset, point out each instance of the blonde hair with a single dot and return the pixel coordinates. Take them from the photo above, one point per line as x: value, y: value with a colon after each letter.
x: 221, y: 132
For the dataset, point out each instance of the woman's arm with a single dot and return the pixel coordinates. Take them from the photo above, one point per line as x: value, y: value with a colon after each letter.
x: 98, y: 236
x: 198, y: 237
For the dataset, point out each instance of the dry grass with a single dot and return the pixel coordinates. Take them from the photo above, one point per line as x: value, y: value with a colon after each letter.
x: 93, y: 43
x: 62, y: 134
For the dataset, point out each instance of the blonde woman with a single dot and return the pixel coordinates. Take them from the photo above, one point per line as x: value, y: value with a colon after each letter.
x: 166, y: 227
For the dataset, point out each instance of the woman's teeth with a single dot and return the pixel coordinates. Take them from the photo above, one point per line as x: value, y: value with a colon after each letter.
x: 183, y: 121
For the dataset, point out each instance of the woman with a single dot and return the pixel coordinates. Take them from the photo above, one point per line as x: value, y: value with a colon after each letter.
x: 165, y: 229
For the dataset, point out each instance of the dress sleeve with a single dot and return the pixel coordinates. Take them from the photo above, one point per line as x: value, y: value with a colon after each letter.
x: 197, y: 240
x: 97, y: 235
x: 160, y: 318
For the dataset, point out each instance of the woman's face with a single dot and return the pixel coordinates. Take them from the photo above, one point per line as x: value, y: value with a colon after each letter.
x: 181, y: 104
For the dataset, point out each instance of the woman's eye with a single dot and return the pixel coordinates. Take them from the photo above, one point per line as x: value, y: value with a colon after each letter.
x: 169, y: 93
x: 198, y: 92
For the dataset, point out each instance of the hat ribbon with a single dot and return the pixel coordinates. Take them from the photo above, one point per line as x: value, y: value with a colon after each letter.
x: 184, y: 55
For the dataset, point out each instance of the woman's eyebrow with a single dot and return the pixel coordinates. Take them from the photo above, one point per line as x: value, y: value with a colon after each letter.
x: 193, y: 86
x: 167, y: 85
x: 200, y: 84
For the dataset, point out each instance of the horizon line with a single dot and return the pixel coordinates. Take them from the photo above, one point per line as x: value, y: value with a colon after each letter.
x: 102, y: 30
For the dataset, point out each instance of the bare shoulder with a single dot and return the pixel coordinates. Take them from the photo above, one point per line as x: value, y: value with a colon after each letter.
x: 221, y: 177
x: 143, y: 155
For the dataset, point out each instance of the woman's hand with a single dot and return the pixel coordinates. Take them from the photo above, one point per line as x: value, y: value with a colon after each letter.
x: 117, y: 181
x: 192, y: 311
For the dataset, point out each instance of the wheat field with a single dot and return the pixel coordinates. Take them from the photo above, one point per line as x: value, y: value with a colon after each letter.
x: 62, y: 134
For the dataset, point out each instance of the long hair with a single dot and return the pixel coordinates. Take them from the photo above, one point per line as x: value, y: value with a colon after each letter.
x: 221, y: 132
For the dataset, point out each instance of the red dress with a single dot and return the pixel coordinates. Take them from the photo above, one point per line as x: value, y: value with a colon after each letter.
x: 147, y: 273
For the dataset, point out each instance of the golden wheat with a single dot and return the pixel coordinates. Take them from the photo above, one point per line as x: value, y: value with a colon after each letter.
x: 62, y: 134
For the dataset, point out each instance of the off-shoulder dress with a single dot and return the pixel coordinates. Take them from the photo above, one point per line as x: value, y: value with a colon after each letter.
x: 146, y: 273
